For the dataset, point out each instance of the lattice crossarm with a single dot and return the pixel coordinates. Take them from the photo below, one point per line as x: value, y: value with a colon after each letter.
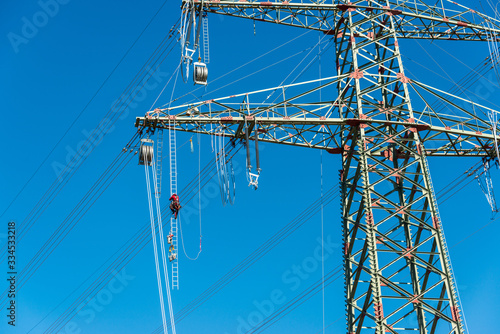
x: 324, y: 133
x: 414, y: 19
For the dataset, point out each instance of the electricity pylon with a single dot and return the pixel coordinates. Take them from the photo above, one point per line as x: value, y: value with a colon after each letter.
x: 398, y: 274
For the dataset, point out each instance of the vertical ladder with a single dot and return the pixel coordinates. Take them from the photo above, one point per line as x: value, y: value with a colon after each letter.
x: 445, y: 251
x: 173, y: 190
x: 159, y: 158
x: 206, y: 49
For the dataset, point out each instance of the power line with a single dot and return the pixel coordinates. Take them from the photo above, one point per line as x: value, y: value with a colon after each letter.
x: 98, y: 188
x: 475, y: 232
x: 85, y: 295
x: 206, y: 294
x: 243, y: 65
x: 257, y: 254
x: 310, y: 292
x: 92, y: 141
x: 83, y: 110
x: 300, y: 299
x: 135, y: 242
x: 185, y: 311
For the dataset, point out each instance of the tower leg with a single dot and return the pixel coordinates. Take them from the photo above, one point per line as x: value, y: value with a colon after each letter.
x: 397, y: 272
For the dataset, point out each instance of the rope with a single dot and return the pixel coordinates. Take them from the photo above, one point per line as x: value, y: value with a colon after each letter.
x: 199, y: 205
x: 186, y: 25
x: 322, y: 241
x: 199, y: 183
x: 130, y: 249
x: 155, y: 248
x: 96, y: 136
x: 83, y: 110
x: 322, y: 206
x: 244, y: 65
x: 138, y: 242
x: 162, y: 244
x: 182, y: 243
x: 162, y: 247
x: 330, y: 324
x: 306, y: 215
x: 228, y: 179
x: 225, y: 181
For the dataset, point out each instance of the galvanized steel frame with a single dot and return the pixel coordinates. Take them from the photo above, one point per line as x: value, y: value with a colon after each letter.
x: 412, y: 19
x: 398, y: 274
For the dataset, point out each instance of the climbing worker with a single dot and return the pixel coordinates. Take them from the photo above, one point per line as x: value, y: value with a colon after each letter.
x: 175, y: 206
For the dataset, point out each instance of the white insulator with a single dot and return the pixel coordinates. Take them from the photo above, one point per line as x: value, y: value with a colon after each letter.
x: 200, y: 73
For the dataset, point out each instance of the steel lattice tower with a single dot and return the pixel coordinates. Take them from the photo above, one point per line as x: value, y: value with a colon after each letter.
x: 398, y: 275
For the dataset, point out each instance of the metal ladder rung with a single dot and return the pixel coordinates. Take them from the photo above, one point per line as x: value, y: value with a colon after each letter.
x: 449, y: 267
x: 173, y: 190
x: 206, y: 47
x: 159, y: 159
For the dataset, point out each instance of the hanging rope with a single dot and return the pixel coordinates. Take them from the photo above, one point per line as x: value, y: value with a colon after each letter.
x: 163, y: 254
x: 162, y: 244
x: 128, y: 251
x: 322, y: 205
x: 155, y: 248
x: 182, y: 242
x: 199, y: 206
x: 225, y: 171
x: 199, y: 183
x: 322, y: 238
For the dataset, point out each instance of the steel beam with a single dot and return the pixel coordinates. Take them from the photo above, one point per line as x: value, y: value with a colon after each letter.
x: 411, y: 19
x: 398, y: 274
x: 315, y: 132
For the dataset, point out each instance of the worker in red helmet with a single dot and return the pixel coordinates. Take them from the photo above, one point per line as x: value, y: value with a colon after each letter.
x: 175, y: 206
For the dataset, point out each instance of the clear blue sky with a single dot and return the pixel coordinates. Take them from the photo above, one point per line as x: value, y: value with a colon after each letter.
x: 54, y: 70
